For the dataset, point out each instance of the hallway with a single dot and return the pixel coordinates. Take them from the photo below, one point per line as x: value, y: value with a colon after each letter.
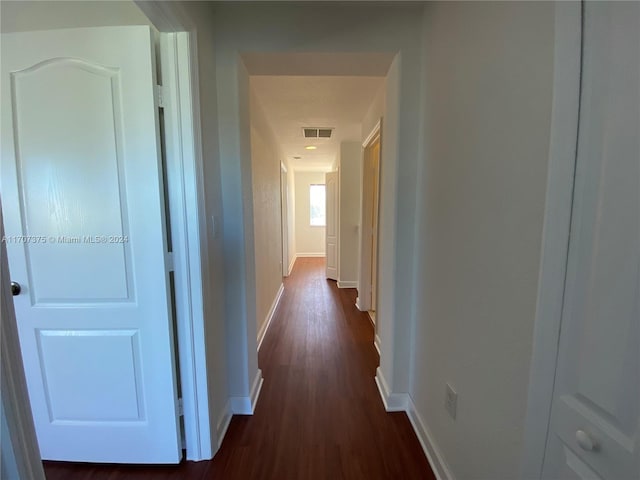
x: 319, y: 415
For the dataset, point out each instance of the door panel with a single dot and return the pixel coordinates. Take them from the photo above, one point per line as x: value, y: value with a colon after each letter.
x: 78, y: 383
x: 284, y: 215
x: 83, y: 211
x: 597, y: 390
x: 63, y: 183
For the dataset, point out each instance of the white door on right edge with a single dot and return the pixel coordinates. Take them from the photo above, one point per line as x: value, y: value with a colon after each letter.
x: 595, y: 420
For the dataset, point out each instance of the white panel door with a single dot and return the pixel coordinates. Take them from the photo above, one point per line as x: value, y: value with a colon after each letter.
x: 595, y: 420
x: 331, y: 182
x: 83, y: 212
x: 284, y: 219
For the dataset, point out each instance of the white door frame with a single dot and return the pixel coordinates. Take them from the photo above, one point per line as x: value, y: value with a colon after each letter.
x: 186, y: 195
x: 363, y: 302
x: 22, y: 444
x: 185, y: 178
x: 555, y: 236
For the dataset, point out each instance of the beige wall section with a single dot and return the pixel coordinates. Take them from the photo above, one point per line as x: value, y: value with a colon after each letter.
x: 487, y: 100
x: 350, y: 180
x: 265, y: 171
x: 22, y: 16
x: 309, y: 240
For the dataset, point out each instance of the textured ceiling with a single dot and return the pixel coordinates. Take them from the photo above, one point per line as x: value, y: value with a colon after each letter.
x: 293, y: 102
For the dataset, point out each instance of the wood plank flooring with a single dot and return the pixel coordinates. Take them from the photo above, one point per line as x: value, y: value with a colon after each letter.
x: 319, y: 415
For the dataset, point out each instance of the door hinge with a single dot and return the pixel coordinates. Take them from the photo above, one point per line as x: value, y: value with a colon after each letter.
x: 161, y: 96
x: 169, y: 261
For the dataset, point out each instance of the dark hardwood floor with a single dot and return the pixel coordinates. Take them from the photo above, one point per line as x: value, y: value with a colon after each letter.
x: 319, y: 415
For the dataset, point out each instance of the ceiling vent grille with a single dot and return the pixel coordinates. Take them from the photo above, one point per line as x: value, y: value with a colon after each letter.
x: 324, y: 132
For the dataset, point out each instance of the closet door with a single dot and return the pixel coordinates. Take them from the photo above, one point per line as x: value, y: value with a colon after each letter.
x: 595, y: 419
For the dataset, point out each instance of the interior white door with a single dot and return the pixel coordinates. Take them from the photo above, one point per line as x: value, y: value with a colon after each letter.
x: 284, y: 216
x: 595, y: 420
x: 83, y: 210
x: 331, y: 185
x: 374, y: 157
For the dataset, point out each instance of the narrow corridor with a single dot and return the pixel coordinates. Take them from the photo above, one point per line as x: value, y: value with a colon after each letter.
x: 319, y: 415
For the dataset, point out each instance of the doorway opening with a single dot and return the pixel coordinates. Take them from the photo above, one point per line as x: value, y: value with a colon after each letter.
x: 288, y: 166
x: 368, y: 288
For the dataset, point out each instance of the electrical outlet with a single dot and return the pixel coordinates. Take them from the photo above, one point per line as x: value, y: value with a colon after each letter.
x: 451, y: 401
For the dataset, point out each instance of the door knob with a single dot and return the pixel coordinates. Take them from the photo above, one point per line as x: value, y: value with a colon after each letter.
x: 585, y: 441
x: 15, y: 288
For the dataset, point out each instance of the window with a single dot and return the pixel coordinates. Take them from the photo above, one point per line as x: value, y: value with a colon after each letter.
x: 317, y: 215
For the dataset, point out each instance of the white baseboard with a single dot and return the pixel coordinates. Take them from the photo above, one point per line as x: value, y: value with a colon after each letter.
x: 317, y: 254
x: 247, y: 405
x: 439, y: 466
x: 223, y: 423
x: 359, y: 305
x: 347, y: 284
x: 272, y: 311
x: 402, y: 402
x: 393, y: 402
x: 376, y: 343
x: 293, y: 262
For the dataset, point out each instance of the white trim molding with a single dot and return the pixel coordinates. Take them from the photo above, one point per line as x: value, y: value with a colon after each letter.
x: 247, y: 405
x: 375, y: 132
x: 223, y: 423
x: 376, y: 343
x: 555, y: 235
x: 347, y: 284
x: 20, y: 449
x: 311, y: 255
x: 439, y: 466
x: 270, y: 314
x: 393, y: 402
x: 402, y: 402
x: 185, y: 193
x: 291, y: 264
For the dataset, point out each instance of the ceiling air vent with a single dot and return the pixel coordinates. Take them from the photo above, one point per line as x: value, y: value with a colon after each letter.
x: 324, y: 132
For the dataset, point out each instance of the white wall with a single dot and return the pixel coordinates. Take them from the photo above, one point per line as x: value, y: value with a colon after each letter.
x: 22, y: 16
x: 199, y: 17
x: 487, y: 99
x: 350, y: 184
x: 310, y: 240
x: 265, y: 169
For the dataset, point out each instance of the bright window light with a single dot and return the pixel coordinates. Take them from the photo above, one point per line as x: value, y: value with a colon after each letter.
x: 318, y: 217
